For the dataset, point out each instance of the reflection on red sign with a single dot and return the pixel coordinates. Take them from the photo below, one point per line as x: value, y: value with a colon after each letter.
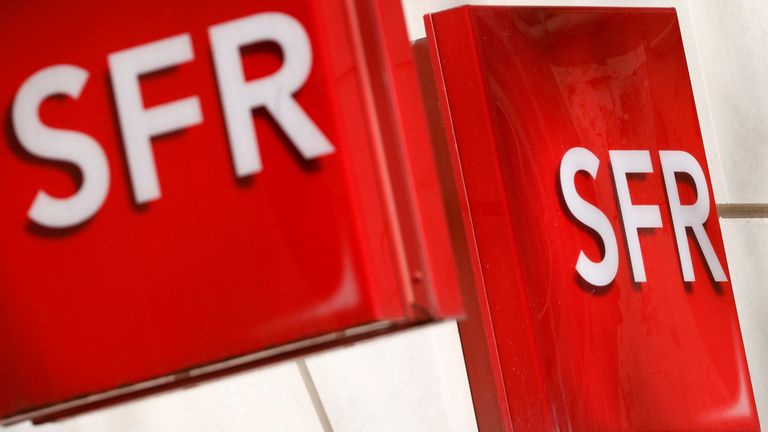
x: 603, y: 299
x: 185, y: 184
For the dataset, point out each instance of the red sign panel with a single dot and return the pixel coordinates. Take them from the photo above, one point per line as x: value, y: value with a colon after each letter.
x: 602, y: 298
x: 185, y: 184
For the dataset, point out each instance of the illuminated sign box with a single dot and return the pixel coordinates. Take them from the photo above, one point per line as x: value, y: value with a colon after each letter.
x: 602, y: 298
x: 191, y: 189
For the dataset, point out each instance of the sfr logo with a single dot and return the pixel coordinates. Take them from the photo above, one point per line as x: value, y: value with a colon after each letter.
x: 139, y: 124
x: 634, y: 216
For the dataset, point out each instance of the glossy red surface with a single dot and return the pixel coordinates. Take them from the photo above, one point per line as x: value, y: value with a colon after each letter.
x: 519, y: 87
x: 218, y: 267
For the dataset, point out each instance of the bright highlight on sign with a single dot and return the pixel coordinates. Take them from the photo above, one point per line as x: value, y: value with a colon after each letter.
x: 625, y: 162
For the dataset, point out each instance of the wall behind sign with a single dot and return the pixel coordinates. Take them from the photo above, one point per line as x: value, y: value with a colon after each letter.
x: 423, y: 388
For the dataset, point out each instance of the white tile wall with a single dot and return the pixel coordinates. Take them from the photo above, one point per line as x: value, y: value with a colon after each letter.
x: 414, y: 381
x: 732, y: 38
x: 746, y: 246
x: 268, y: 399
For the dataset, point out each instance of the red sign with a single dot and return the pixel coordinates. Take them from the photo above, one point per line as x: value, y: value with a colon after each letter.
x: 602, y: 298
x: 188, y: 189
